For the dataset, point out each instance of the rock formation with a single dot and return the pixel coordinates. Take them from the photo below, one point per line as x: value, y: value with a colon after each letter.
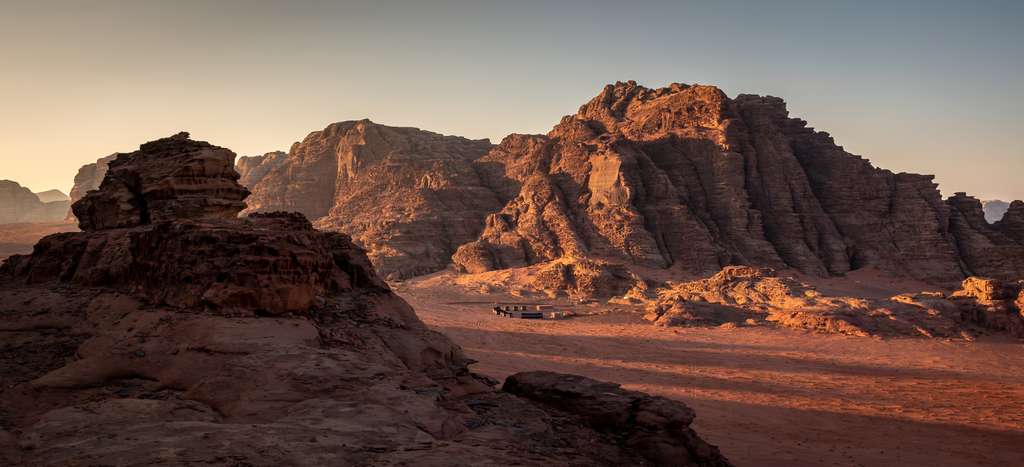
x: 19, y: 205
x: 992, y: 304
x: 253, y: 169
x: 742, y: 295
x: 171, y: 332
x: 409, y: 197
x: 88, y: 178
x: 183, y: 179
x: 688, y: 178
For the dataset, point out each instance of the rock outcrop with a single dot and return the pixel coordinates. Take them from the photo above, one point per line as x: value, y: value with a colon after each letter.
x: 651, y: 425
x: 253, y: 169
x: 742, y: 295
x: 171, y: 178
x: 171, y: 332
x: 748, y: 296
x: 409, y: 197
x: 87, y: 179
x: 992, y: 304
x: 688, y: 178
x: 20, y: 205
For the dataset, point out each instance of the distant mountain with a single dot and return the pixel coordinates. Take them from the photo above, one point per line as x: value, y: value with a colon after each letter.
x: 994, y: 210
x: 409, y: 197
x: 18, y: 204
x: 50, y: 196
x: 87, y: 179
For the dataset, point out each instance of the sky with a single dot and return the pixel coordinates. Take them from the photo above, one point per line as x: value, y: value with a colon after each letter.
x: 919, y: 86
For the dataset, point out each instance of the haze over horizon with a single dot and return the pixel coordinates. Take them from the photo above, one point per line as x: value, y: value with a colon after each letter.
x: 926, y: 87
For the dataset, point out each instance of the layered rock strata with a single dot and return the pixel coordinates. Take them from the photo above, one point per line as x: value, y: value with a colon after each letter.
x: 409, y: 197
x: 170, y: 332
x: 688, y: 178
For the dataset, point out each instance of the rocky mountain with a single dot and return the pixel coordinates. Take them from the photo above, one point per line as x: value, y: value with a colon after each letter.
x: 20, y: 205
x: 685, y: 177
x: 410, y: 197
x: 50, y: 196
x: 172, y: 332
x: 88, y: 178
x: 253, y: 169
x: 994, y: 209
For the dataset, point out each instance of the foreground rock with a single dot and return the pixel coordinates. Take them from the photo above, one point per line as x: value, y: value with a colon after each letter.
x: 409, y: 197
x: 171, y: 333
x: 20, y: 205
x: 684, y: 177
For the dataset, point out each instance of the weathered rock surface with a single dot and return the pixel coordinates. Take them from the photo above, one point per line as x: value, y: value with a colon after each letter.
x: 987, y: 250
x: 742, y: 295
x: 253, y: 169
x: 409, y: 197
x: 992, y: 304
x: 195, y: 337
x: 88, y: 178
x: 19, y: 205
x: 170, y: 178
x: 688, y: 178
x: 651, y: 425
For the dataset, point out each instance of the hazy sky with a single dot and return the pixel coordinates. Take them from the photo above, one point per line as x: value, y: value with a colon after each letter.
x: 923, y: 86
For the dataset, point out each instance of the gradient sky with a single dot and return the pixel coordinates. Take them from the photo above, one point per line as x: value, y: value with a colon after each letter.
x: 922, y: 86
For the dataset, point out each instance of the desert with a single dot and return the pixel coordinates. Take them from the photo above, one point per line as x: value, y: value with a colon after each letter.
x: 575, y: 233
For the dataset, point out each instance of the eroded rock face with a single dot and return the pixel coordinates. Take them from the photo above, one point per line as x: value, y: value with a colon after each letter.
x: 992, y: 304
x: 253, y: 169
x: 168, y: 179
x: 409, y: 197
x: 19, y: 205
x: 743, y: 295
x: 686, y: 177
x: 655, y: 426
x: 87, y: 179
x: 195, y: 337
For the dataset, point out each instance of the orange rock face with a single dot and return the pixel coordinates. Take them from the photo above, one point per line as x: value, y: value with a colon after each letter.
x: 689, y: 178
x: 409, y: 197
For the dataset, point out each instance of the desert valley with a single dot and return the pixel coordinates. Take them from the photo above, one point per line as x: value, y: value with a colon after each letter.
x: 737, y: 290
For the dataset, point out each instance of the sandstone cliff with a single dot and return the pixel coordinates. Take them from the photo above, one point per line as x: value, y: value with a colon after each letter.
x: 171, y: 332
x: 88, y: 178
x: 410, y: 197
x: 20, y: 205
x: 685, y: 177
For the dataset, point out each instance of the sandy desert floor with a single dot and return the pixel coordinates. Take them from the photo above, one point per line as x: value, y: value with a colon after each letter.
x: 18, y: 239
x: 767, y: 396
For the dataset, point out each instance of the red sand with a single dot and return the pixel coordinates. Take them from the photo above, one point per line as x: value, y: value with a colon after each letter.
x: 771, y: 397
